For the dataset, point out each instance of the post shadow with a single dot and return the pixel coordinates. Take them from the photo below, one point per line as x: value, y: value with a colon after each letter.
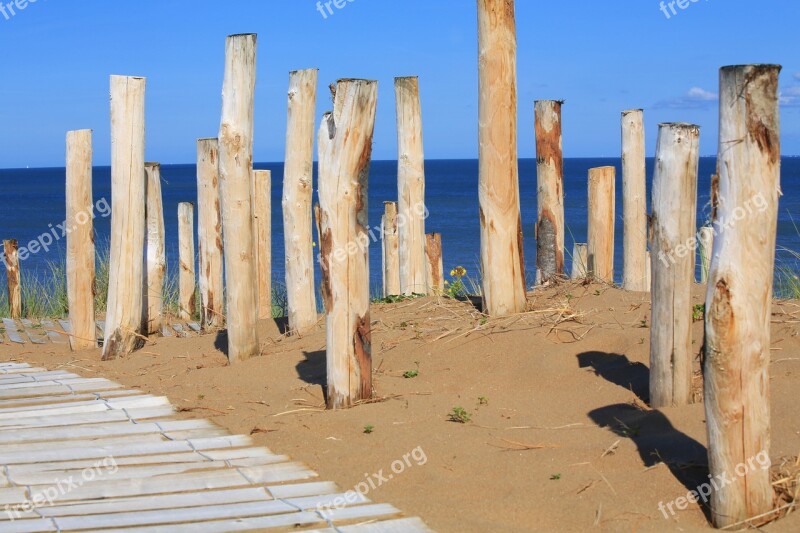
x: 314, y: 371
x: 618, y: 369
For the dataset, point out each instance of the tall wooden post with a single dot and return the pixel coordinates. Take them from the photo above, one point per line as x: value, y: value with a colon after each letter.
x: 11, y: 256
x: 80, y: 241
x: 602, y: 199
x: 126, y: 268
x: 156, y: 271
x: 323, y: 287
x: 673, y: 228
x: 186, y: 278
x: 410, y: 186
x: 502, y: 259
x: 235, y: 164
x: 550, y: 191
x: 297, y: 192
x: 634, y: 202
x: 705, y: 245
x: 580, y: 261
x: 433, y: 254
x: 209, y: 235
x: 345, y: 145
x: 390, y: 249
x: 739, y: 298
x: 262, y: 211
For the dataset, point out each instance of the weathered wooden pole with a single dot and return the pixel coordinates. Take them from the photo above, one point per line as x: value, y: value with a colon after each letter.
x: 739, y: 298
x: 345, y: 146
x: 155, y: 254
x: 550, y: 191
x: 262, y: 211
x: 126, y: 268
x: 209, y: 235
x: 673, y: 234
x: 580, y: 261
x: 235, y: 164
x: 706, y: 245
x: 390, y: 249
x: 80, y: 241
x: 435, y: 265
x: 11, y: 256
x: 323, y: 287
x: 648, y: 270
x: 297, y: 192
x: 634, y: 202
x: 186, y: 278
x: 502, y: 259
x: 602, y: 199
x: 410, y: 187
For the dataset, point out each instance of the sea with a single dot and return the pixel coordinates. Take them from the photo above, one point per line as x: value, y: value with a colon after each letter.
x: 34, y: 204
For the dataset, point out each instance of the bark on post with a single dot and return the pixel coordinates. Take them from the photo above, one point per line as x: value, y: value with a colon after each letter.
x: 739, y: 297
x: 11, y: 257
x: 126, y: 268
x: 390, y: 249
x: 502, y: 259
x: 262, y: 211
x: 634, y: 202
x: 80, y: 241
x: 705, y: 244
x: 345, y: 146
x: 186, y: 278
x: 297, y: 192
x: 602, y: 198
x: 580, y: 261
x: 673, y: 228
x: 649, y: 271
x: 550, y: 197
x: 410, y: 187
x: 323, y: 288
x: 156, y: 271
x: 433, y: 254
x: 209, y: 235
x: 235, y: 166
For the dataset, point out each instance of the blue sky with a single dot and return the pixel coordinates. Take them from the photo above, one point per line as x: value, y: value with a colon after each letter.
x: 599, y: 56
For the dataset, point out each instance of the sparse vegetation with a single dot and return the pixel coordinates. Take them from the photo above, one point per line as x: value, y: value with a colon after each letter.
x: 409, y: 374
x: 459, y: 415
x: 369, y: 428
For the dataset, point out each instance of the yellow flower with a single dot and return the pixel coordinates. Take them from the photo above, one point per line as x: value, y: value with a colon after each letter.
x: 459, y: 272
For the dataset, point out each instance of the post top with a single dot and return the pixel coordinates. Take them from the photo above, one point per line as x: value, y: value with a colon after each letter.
x: 678, y: 125
x: 766, y: 66
x: 629, y: 111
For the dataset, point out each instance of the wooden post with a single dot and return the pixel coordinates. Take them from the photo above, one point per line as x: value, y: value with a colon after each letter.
x: 550, y: 197
x: 126, y: 269
x: 502, y: 259
x: 739, y: 297
x: 634, y: 202
x: 435, y: 270
x: 80, y: 241
x: 11, y: 257
x: 262, y: 211
x: 410, y: 187
x: 235, y: 166
x: 209, y: 235
x: 602, y: 198
x: 580, y: 261
x: 323, y: 288
x: 391, y: 252
x: 705, y: 244
x: 673, y: 235
x: 648, y: 271
x: 297, y: 192
x: 156, y: 271
x: 345, y: 145
x: 186, y: 279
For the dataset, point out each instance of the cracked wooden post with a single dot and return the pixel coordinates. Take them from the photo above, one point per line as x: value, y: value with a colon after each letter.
x: 706, y: 245
x: 11, y: 256
x: 739, y: 297
x: 390, y: 249
x: 186, y: 278
x: 297, y: 192
x: 502, y: 259
x: 235, y: 167
x: 673, y: 234
x: 323, y: 288
x: 410, y: 187
x: 602, y: 199
x: 580, y: 260
x: 345, y: 146
x: 209, y: 235
x: 126, y: 257
x: 262, y: 212
x: 435, y: 270
x: 550, y: 197
x: 155, y: 255
x: 80, y: 241
x: 634, y: 202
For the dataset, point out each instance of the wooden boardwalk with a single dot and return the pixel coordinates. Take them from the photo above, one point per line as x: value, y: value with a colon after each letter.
x: 83, y: 454
x: 57, y: 331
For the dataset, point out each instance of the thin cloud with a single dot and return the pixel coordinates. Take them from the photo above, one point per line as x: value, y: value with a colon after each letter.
x: 790, y: 96
x: 797, y: 75
x: 695, y: 98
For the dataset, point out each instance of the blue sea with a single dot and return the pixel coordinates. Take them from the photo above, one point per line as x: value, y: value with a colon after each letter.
x: 34, y: 203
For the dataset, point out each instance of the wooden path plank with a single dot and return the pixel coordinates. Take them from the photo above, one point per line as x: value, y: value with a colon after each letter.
x: 54, y: 333
x: 36, y: 337
x: 194, y: 326
x: 12, y: 332
x: 77, y: 419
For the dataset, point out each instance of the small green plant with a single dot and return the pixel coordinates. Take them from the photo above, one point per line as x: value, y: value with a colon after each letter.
x: 643, y: 324
x: 483, y: 400
x: 459, y: 415
x: 395, y: 298
x: 555, y: 477
x: 483, y: 321
x: 403, y: 325
x: 369, y: 428
x: 698, y: 312
x: 597, y: 292
x: 409, y: 374
x: 456, y: 287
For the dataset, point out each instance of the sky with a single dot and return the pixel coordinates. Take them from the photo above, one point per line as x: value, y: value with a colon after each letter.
x: 600, y: 56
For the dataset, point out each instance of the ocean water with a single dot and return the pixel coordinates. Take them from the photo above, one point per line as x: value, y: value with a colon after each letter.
x: 34, y: 204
